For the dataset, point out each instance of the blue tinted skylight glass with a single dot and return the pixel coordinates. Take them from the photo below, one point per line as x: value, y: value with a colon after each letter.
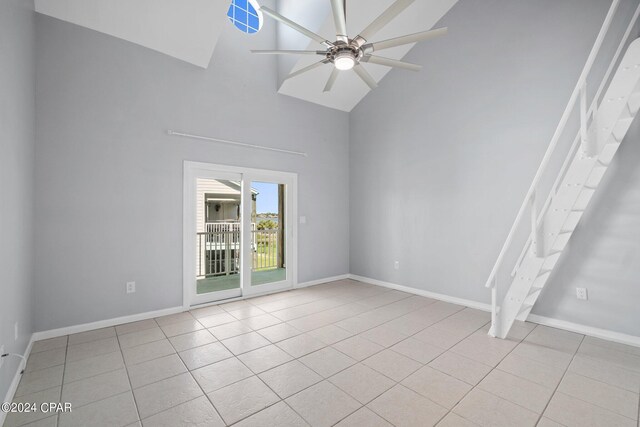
x: 243, y: 14
x: 240, y: 16
x: 254, y: 22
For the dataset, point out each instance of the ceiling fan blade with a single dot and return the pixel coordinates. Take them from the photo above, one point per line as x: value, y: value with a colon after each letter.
x: 289, y: 52
x: 387, y: 16
x: 365, y: 76
x: 307, y: 68
x: 332, y: 80
x: 411, y: 38
x: 388, y: 62
x: 299, y: 28
x: 340, y: 18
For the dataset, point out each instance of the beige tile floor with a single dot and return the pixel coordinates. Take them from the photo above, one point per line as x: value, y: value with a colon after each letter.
x: 343, y: 353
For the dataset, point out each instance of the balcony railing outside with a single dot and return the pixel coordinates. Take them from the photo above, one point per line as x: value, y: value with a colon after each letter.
x: 219, y: 249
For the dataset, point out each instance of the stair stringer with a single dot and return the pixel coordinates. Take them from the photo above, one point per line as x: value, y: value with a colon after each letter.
x: 616, y: 112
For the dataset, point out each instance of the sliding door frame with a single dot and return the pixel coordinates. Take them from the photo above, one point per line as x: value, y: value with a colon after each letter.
x: 290, y: 212
x: 191, y: 171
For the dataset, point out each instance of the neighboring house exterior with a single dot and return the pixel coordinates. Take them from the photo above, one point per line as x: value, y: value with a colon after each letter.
x: 218, y: 230
x: 218, y: 226
x: 219, y: 201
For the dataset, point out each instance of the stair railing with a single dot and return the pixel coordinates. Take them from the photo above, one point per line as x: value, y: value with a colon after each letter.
x: 530, y: 203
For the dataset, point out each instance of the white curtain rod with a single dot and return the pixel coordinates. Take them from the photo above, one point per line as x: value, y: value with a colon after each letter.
x: 239, y: 144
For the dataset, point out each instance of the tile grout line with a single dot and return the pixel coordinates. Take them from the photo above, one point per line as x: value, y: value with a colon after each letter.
x: 390, y: 320
x: 470, y: 390
x: 598, y: 381
x: 416, y: 333
x: 325, y: 346
x: 340, y: 305
x: 135, y: 402
x: 295, y: 412
x: 389, y: 348
x: 284, y: 322
x: 365, y: 405
x: 57, y: 415
x: 192, y: 377
x: 302, y: 333
x: 173, y: 376
x: 64, y: 370
x: 117, y: 336
x: 267, y: 385
x: 235, y: 382
x: 337, y: 306
x: 555, y: 390
x: 594, y: 404
x: 297, y: 359
x: 608, y: 410
x: 169, y: 377
x: 486, y: 375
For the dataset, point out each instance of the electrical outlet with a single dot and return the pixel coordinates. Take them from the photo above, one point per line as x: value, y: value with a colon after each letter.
x: 396, y: 265
x: 581, y: 293
x: 15, y: 331
x: 131, y: 287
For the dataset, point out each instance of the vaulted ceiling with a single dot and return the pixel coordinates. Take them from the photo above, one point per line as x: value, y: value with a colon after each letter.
x: 189, y: 31
x: 349, y: 90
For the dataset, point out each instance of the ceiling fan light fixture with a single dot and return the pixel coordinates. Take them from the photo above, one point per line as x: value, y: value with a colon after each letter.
x: 344, y: 61
x: 348, y: 53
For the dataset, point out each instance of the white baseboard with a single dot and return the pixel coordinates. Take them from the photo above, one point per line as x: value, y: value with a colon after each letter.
x: 555, y: 323
x: 16, y: 378
x: 54, y: 333
x: 321, y: 281
x: 604, y: 334
x: 441, y: 297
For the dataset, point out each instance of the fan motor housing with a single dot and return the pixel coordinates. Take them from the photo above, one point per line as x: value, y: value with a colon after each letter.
x: 342, y: 48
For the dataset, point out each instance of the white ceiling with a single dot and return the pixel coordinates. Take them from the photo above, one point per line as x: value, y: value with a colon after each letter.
x: 185, y: 29
x: 349, y: 90
x: 189, y: 30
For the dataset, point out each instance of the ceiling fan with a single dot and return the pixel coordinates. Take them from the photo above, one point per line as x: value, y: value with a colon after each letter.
x: 349, y: 53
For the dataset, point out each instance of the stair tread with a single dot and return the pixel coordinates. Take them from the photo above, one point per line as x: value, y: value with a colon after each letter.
x: 610, y: 124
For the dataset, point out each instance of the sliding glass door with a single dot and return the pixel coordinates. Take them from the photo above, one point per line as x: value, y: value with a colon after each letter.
x: 271, y: 231
x: 238, y: 235
x: 215, y: 235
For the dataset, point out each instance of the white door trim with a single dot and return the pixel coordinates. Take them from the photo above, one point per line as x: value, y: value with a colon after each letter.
x: 191, y: 169
x: 290, y: 224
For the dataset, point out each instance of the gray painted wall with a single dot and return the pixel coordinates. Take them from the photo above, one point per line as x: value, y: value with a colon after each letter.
x: 452, y: 131
x: 17, y: 125
x: 444, y: 158
x: 604, y: 255
x: 109, y: 182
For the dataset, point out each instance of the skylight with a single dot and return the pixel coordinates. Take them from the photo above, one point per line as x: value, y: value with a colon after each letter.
x: 245, y: 15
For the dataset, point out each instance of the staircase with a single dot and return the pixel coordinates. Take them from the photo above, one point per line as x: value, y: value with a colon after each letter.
x: 602, y: 128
